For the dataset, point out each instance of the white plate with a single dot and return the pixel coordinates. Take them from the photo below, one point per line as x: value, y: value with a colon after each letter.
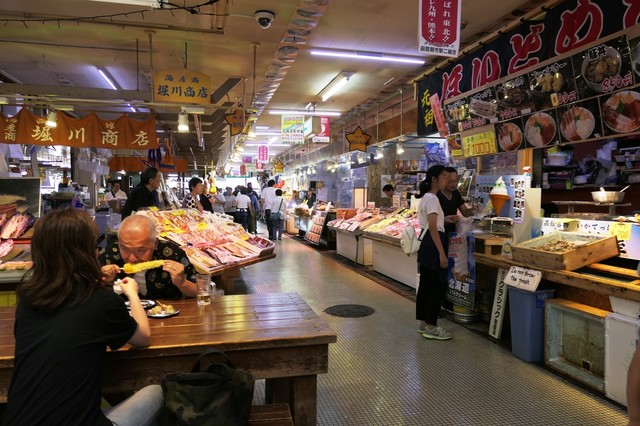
x: 173, y: 314
x: 147, y: 304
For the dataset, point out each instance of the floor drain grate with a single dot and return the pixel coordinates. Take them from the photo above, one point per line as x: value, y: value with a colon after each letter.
x: 350, y: 311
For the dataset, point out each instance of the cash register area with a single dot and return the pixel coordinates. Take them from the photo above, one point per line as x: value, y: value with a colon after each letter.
x: 382, y: 372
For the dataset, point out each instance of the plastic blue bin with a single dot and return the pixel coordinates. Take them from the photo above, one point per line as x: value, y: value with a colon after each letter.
x: 526, y: 311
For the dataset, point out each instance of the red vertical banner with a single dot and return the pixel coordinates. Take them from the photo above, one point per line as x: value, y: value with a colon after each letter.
x: 439, y: 27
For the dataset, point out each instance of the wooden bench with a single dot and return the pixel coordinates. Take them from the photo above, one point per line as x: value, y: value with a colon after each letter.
x: 270, y: 415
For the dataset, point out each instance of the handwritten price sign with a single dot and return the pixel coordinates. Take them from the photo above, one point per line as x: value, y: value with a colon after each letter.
x: 523, y: 278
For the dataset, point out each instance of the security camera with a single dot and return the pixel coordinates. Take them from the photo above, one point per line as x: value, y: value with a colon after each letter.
x: 264, y: 18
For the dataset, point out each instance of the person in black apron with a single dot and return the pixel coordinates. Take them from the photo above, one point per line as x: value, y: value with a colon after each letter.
x: 432, y: 255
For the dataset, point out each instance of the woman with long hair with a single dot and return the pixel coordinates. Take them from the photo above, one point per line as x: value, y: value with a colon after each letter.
x: 64, y: 322
x: 432, y: 255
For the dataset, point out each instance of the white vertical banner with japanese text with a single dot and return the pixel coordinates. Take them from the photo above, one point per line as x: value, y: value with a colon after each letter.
x: 439, y: 27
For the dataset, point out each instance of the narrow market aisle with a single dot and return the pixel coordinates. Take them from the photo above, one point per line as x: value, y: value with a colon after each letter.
x: 382, y: 372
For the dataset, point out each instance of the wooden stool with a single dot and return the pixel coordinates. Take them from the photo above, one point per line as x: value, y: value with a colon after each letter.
x: 270, y: 415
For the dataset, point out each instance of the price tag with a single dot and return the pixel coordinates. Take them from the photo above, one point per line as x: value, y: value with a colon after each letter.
x: 620, y: 230
x: 353, y: 226
x: 523, y: 278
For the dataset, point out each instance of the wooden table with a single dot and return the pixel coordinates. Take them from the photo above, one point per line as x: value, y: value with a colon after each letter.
x: 276, y: 337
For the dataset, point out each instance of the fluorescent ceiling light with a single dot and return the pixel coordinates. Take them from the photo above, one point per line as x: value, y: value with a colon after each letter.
x: 271, y: 144
x: 260, y: 127
x: 107, y: 79
x: 157, y: 4
x: 372, y: 56
x: 296, y: 112
x: 334, y: 85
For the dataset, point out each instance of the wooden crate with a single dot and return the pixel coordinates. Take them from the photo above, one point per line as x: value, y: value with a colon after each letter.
x: 590, y: 249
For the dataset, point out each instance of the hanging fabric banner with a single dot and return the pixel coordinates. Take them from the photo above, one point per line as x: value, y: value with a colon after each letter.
x: 566, y: 26
x: 87, y: 132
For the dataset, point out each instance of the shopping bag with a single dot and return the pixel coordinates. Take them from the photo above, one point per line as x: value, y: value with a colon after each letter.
x: 216, y: 395
x: 409, y: 241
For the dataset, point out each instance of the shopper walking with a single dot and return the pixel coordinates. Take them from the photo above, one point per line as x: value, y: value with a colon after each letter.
x: 278, y: 209
x: 243, y: 203
x: 230, y: 203
x: 267, y: 196
x: 64, y: 322
x: 218, y: 201
x: 432, y: 255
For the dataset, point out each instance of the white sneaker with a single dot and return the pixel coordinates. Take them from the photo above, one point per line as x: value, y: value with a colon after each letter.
x: 437, y: 333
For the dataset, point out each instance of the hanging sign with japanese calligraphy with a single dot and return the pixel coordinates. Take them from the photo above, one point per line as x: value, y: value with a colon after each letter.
x: 182, y: 86
x: 236, y: 121
x: 293, y: 129
x: 263, y: 153
x: 87, y: 132
x: 439, y: 27
x: 358, y: 140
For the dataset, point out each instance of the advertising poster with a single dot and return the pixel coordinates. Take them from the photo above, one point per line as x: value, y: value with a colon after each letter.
x: 461, y: 288
x: 292, y: 129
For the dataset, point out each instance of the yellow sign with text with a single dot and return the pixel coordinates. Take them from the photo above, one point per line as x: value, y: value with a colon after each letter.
x: 181, y: 85
x: 621, y: 230
x: 479, y: 144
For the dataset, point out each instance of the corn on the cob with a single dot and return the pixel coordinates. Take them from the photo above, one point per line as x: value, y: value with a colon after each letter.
x: 134, y: 268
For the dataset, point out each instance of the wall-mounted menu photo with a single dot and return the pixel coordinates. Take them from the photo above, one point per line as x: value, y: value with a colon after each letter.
x: 621, y: 112
x: 483, y: 107
x: 578, y: 121
x: 553, y: 85
x: 540, y: 129
x: 510, y: 135
x: 603, y: 68
x: 514, y: 98
x: 634, y: 46
x: 456, y: 113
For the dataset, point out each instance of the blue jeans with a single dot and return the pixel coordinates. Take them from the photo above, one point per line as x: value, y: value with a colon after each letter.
x: 141, y: 409
x: 276, y: 229
x: 242, y: 217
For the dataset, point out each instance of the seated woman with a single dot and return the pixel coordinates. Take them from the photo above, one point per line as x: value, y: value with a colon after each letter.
x: 64, y: 322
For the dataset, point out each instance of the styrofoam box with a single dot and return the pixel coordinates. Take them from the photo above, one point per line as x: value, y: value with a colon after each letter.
x: 575, y: 341
x: 621, y: 338
x: 626, y: 307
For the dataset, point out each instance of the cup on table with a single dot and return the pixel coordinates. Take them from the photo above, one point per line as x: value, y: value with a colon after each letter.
x: 203, y: 283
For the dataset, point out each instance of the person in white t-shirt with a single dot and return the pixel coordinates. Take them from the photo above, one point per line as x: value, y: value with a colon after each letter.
x: 242, y: 207
x: 432, y: 255
x: 116, y: 193
x: 278, y: 206
x: 267, y: 196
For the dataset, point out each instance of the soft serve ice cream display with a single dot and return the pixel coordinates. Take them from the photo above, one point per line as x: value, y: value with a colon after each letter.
x: 499, y: 195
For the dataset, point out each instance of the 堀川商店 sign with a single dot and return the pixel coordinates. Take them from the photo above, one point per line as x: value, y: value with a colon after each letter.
x: 439, y: 27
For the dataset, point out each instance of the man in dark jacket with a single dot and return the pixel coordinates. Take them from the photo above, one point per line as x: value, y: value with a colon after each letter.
x: 144, y: 194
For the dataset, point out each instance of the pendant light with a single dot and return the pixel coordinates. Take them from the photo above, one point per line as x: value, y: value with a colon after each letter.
x: 52, y: 119
x: 183, y: 122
